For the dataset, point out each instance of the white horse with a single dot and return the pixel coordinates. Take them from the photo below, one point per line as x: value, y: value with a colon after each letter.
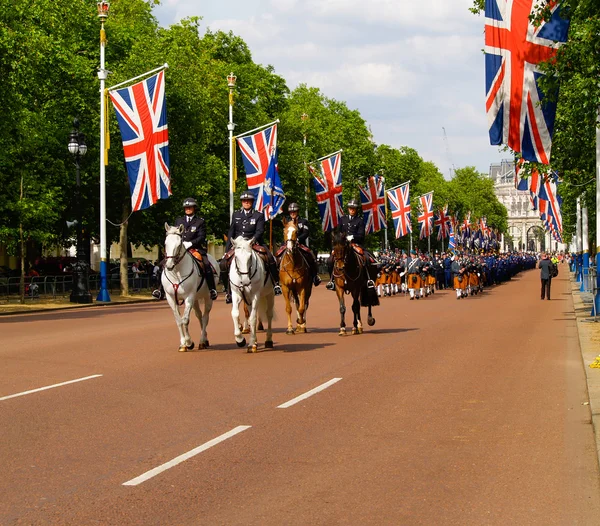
x: 184, y: 285
x: 248, y: 280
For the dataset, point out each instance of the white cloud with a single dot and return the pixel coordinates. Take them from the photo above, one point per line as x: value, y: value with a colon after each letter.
x: 410, y: 67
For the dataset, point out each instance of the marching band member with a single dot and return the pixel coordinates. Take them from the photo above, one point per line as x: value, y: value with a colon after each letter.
x: 413, y: 272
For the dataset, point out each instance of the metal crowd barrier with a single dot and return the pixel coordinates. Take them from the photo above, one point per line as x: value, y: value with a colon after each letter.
x: 53, y: 286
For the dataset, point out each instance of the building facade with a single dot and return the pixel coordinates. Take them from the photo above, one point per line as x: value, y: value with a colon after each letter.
x: 525, y: 228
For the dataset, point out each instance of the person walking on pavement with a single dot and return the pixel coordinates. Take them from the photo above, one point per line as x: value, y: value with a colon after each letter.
x: 194, y: 240
x: 546, y: 275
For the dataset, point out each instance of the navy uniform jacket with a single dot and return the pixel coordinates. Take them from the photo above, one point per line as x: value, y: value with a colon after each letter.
x: 353, y: 226
x: 303, y: 230
x: 194, y: 232
x: 248, y: 225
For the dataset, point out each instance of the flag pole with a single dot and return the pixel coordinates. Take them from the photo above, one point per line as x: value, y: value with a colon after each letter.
x: 103, y: 295
x: 147, y: 74
x: 328, y: 156
x: 250, y: 132
x: 231, y: 78
x: 597, y: 296
x: 585, y: 245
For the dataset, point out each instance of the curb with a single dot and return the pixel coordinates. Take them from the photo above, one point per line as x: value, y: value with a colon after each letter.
x: 589, y: 351
x: 76, y: 307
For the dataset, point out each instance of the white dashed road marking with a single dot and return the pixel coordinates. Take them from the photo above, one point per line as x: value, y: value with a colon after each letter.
x: 50, y: 387
x: 308, y: 393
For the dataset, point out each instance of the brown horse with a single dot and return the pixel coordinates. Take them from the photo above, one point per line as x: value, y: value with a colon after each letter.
x: 294, y: 278
x: 350, y: 277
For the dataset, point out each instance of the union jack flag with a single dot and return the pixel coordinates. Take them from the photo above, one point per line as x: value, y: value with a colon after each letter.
x: 426, y: 216
x: 400, y: 207
x: 258, y: 152
x: 142, y: 115
x: 518, y: 113
x: 372, y: 198
x: 443, y: 222
x: 466, y: 225
x: 328, y: 187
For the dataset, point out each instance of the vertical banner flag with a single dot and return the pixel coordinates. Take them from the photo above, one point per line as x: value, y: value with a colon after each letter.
x: 273, y: 196
x: 426, y: 216
x: 451, y: 241
x: 142, y: 116
x: 258, y: 153
x: 519, y: 114
x: 443, y: 222
x: 328, y: 187
x: 373, y: 204
x: 399, y: 199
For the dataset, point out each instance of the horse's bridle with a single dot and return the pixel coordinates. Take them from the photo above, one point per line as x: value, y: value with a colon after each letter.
x: 176, y: 256
x: 177, y: 259
x: 339, y: 264
x: 250, y: 273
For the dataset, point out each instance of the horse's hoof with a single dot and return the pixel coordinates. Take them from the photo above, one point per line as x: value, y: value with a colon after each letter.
x: 371, y: 321
x: 190, y: 346
x: 246, y: 331
x: 342, y: 332
x: 241, y: 343
x: 203, y: 345
x: 269, y: 344
x: 252, y: 348
x: 183, y: 348
x: 359, y: 330
x: 354, y: 330
x: 290, y: 331
x: 300, y: 329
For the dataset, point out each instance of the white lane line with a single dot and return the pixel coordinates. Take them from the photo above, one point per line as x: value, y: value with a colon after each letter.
x: 308, y: 393
x: 50, y: 387
x: 181, y: 458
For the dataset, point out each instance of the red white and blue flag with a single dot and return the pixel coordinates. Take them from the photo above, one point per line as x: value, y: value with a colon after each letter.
x: 328, y: 187
x: 142, y: 115
x: 519, y: 114
x: 443, y: 222
x: 399, y: 199
x: 451, y: 240
x: 426, y: 216
x: 259, y: 152
x: 372, y: 198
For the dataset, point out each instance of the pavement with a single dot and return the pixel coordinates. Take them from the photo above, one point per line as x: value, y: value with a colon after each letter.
x: 588, y: 329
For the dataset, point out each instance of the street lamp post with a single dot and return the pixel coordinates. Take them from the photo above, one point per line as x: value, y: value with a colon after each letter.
x: 231, y: 78
x: 103, y: 295
x: 80, y: 292
x: 385, y: 232
x: 304, y: 118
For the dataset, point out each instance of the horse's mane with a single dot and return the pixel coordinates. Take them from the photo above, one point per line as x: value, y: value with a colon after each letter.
x: 339, y: 238
x: 173, y: 230
x: 240, y: 242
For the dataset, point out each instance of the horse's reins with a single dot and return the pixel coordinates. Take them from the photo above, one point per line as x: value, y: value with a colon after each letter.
x: 250, y: 275
x: 342, y: 267
x: 178, y: 258
x: 291, y: 253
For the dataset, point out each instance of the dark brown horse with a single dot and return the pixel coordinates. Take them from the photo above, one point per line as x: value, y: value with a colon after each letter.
x: 294, y: 278
x: 350, y: 277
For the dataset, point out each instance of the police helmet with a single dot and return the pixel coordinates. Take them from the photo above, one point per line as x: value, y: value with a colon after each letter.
x: 190, y: 201
x: 293, y: 207
x: 353, y: 203
x: 247, y: 195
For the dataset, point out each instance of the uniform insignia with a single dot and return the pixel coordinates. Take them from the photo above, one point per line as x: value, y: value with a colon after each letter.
x: 193, y: 229
x: 252, y: 221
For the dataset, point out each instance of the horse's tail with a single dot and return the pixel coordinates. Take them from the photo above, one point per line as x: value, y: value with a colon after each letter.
x: 262, y: 310
x: 295, y: 297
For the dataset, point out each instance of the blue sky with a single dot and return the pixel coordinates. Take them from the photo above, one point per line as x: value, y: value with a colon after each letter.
x: 411, y: 67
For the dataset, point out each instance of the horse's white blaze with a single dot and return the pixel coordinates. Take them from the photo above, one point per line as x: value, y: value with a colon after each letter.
x: 290, y: 231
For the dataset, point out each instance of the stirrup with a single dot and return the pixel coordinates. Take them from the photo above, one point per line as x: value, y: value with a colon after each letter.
x: 228, y: 298
x: 370, y: 284
x: 330, y: 286
x: 277, y: 290
x: 213, y: 294
x: 316, y: 281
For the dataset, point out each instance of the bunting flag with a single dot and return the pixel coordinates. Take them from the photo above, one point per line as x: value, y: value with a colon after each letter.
x: 328, y: 187
x: 142, y: 115
x: 399, y: 199
x: 519, y: 114
x: 259, y: 151
x: 426, y: 216
x: 372, y: 198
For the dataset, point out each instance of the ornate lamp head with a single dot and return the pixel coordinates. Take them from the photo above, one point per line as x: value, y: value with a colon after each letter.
x: 231, y: 78
x: 103, y: 9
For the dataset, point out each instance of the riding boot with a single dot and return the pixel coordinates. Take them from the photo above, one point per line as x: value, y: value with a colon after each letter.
x: 331, y: 284
x: 225, y: 280
x: 274, y: 273
x: 314, y: 270
x: 210, y: 281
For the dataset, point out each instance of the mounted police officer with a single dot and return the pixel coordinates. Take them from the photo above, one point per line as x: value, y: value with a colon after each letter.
x: 303, y: 234
x: 249, y: 224
x: 353, y: 227
x: 194, y: 240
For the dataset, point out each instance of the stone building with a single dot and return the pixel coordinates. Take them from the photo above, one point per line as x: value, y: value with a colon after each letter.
x: 525, y: 228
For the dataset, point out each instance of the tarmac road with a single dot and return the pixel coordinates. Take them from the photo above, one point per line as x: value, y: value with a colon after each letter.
x: 446, y: 412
